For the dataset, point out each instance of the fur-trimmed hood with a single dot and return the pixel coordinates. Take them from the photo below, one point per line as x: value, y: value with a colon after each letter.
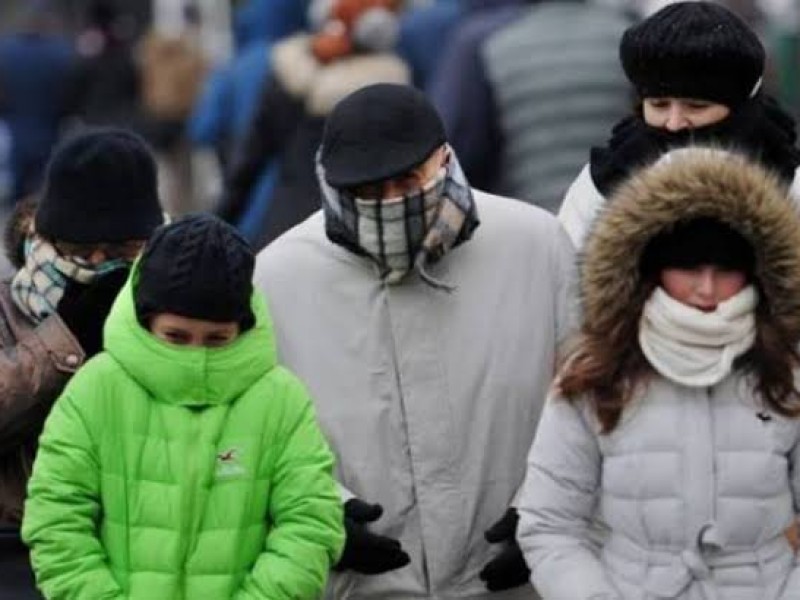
x: 684, y: 185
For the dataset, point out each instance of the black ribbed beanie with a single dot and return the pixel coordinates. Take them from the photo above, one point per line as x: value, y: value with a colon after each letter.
x: 695, y: 242
x: 695, y: 50
x: 198, y: 267
x: 100, y: 186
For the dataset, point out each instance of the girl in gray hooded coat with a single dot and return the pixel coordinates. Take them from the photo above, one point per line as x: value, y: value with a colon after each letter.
x: 675, y: 420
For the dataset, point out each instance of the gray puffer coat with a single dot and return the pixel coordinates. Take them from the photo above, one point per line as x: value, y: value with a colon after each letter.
x: 696, y: 486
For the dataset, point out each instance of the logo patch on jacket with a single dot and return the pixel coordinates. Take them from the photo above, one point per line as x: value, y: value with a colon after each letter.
x: 229, y: 463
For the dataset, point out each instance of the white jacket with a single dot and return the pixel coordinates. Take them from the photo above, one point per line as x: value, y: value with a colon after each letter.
x: 696, y: 486
x: 430, y: 399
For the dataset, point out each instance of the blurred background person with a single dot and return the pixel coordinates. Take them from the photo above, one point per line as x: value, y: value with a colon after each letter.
x: 698, y: 70
x: 309, y: 74
x: 557, y: 86
x: 173, y: 66
x: 35, y: 62
x: 105, y: 86
x: 526, y: 86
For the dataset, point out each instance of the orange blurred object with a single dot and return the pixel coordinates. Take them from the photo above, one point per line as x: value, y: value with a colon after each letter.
x: 335, y: 40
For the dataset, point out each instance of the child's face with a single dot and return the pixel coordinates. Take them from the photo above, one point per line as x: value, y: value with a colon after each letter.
x: 183, y: 331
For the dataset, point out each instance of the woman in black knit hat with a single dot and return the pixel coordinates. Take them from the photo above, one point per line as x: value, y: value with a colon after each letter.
x: 72, y: 247
x: 698, y: 72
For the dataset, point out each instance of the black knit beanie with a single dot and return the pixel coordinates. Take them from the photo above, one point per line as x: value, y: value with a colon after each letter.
x: 100, y: 186
x: 198, y: 267
x: 701, y: 241
x: 695, y: 50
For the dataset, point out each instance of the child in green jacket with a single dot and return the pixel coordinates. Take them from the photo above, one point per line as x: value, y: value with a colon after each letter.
x: 183, y: 462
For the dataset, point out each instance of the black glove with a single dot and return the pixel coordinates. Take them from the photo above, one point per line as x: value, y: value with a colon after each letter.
x: 366, y: 552
x: 84, y: 308
x: 508, y: 569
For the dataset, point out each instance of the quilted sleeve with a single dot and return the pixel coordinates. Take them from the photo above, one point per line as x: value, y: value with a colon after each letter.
x: 792, y: 589
x: 63, y: 510
x: 556, y: 507
x: 305, y: 511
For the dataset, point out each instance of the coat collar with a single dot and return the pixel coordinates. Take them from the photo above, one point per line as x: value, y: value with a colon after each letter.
x: 189, y: 376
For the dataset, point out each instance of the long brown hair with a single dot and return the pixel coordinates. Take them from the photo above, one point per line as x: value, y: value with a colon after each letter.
x: 608, y: 367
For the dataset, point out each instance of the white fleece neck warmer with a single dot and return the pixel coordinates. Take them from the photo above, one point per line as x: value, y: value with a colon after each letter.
x: 692, y: 347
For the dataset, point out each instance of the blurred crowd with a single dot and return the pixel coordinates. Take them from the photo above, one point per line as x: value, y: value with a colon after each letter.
x: 524, y: 87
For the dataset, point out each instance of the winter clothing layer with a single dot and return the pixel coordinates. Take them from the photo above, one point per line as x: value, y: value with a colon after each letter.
x: 429, y: 398
x: 462, y: 94
x: 558, y: 89
x: 693, y: 347
x: 34, y: 74
x: 696, y: 485
x: 694, y: 50
x: 108, y: 177
x: 39, y: 285
x: 760, y: 128
x: 405, y: 233
x: 379, y: 132
x: 288, y: 125
x: 35, y: 363
x: 206, y: 485
x: 197, y: 267
x: 583, y: 203
x: 695, y: 243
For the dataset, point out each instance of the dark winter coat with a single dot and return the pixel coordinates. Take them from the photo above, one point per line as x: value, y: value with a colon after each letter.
x: 288, y: 125
x: 36, y: 361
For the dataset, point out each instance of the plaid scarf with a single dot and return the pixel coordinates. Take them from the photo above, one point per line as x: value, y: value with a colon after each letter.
x: 39, y: 285
x: 407, y: 233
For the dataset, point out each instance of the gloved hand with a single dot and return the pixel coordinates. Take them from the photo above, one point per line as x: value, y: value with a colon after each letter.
x: 366, y: 552
x: 84, y: 308
x: 508, y: 569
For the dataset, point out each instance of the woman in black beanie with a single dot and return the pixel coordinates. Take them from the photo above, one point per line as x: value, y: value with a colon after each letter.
x: 698, y: 71
x: 72, y: 247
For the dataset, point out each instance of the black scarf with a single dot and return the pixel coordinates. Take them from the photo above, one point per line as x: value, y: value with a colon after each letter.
x: 759, y: 128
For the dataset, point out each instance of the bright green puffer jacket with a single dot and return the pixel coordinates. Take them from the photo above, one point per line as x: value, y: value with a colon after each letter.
x: 183, y: 473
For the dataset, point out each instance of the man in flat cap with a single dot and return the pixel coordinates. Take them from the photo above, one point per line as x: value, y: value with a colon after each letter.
x: 426, y: 318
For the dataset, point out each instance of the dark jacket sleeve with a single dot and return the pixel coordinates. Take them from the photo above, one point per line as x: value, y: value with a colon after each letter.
x: 277, y: 116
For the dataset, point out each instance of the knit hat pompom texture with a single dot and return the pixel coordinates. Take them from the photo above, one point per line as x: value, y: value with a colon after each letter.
x: 100, y: 186
x: 693, y: 50
x: 197, y: 267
